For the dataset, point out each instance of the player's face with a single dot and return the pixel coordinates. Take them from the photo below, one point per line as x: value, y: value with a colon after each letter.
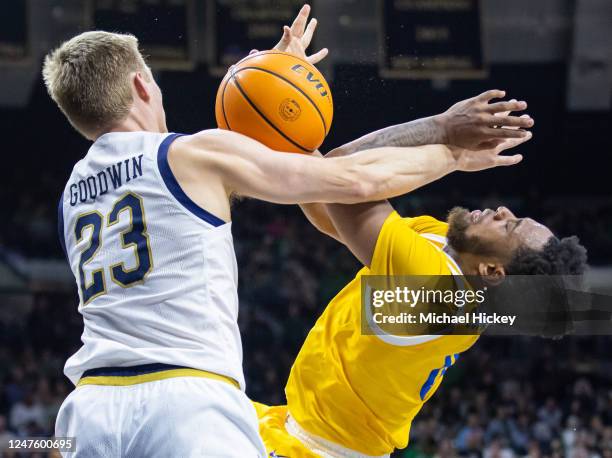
x: 495, y: 232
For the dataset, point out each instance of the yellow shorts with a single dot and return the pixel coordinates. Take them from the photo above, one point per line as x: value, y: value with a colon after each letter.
x: 276, y: 438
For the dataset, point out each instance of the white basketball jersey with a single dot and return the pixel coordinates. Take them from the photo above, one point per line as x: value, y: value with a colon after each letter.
x: 156, y: 273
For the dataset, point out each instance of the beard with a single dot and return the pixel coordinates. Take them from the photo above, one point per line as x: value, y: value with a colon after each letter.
x: 459, y: 220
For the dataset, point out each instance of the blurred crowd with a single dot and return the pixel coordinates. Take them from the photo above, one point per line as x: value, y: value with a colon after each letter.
x: 521, y: 398
x: 505, y: 398
x: 33, y: 215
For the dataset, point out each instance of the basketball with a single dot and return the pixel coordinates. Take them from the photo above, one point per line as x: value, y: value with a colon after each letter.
x: 278, y: 99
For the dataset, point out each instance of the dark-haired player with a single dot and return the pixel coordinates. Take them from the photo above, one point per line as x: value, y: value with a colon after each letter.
x: 497, y: 242
x: 355, y: 395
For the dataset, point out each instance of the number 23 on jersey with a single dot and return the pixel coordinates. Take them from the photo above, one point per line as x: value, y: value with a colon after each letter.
x: 134, y: 237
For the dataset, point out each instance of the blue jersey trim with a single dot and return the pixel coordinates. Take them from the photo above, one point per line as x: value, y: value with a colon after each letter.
x: 175, y: 188
x: 60, y: 225
x: 129, y: 371
x: 428, y: 383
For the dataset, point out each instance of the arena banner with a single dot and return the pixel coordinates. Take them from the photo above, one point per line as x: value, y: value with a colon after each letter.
x: 532, y: 305
x: 164, y: 27
x: 14, y: 39
x: 431, y: 39
x: 241, y: 25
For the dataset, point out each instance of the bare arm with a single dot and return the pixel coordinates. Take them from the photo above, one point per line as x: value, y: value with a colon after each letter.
x: 467, y: 123
x: 358, y: 225
x: 247, y: 167
x: 425, y: 131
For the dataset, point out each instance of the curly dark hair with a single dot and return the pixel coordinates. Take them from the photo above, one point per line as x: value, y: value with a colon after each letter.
x: 564, y: 256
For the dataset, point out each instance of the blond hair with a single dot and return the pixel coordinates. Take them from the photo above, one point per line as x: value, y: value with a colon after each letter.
x: 88, y: 77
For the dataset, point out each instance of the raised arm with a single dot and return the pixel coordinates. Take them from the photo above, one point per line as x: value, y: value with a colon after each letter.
x: 473, y: 124
x: 467, y: 123
x: 424, y: 131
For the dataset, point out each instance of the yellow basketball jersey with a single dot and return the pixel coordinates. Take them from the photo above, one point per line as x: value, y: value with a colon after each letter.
x: 362, y: 391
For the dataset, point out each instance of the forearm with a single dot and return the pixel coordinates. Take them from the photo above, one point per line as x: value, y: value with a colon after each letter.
x: 424, y: 131
x: 248, y: 168
x: 414, y: 133
x: 358, y: 226
x: 317, y: 214
x: 385, y: 173
x: 393, y: 171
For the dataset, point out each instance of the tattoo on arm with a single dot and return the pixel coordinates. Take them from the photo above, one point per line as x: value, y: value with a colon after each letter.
x: 425, y: 131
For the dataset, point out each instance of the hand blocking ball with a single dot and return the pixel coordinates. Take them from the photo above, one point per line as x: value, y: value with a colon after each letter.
x: 278, y: 99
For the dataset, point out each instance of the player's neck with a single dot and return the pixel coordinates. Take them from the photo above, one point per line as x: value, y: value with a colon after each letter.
x: 137, y: 122
x: 460, y: 260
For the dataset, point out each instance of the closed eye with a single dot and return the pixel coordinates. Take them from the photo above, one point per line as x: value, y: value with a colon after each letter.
x: 517, y: 223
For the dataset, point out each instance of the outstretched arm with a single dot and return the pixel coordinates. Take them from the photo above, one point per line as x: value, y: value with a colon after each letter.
x: 366, y: 219
x: 358, y: 225
x: 468, y: 124
x: 424, y: 131
x: 246, y: 167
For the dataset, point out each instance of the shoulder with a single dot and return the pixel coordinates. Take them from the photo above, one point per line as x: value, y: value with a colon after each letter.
x: 402, y: 250
x: 214, y: 140
x: 215, y: 149
x: 427, y: 225
x: 419, y: 224
x: 200, y: 149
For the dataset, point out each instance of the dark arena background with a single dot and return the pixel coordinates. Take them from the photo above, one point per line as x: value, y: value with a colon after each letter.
x: 390, y: 61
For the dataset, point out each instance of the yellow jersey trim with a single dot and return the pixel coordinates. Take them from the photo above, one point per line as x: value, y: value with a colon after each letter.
x: 114, y: 380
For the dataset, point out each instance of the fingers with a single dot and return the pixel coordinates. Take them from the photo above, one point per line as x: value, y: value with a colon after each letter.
x: 318, y: 56
x: 502, y: 161
x: 505, y: 133
x: 299, y: 23
x: 492, y: 94
x: 512, y: 143
x: 285, y: 40
x: 524, y: 121
x: 307, y: 38
x: 512, y: 105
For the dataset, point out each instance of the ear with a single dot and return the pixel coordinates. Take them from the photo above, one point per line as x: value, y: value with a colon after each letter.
x: 141, y: 86
x: 492, y: 273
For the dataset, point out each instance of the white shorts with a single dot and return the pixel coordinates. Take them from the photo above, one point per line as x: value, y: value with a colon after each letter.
x: 172, y: 418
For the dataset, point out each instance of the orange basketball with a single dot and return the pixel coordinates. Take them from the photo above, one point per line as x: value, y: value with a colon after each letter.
x: 278, y: 99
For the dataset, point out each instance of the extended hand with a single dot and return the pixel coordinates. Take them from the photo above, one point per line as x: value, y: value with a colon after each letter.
x: 297, y: 38
x: 475, y: 160
x: 477, y: 124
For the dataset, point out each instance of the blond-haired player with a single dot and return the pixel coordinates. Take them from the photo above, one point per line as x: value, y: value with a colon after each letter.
x: 145, y: 223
